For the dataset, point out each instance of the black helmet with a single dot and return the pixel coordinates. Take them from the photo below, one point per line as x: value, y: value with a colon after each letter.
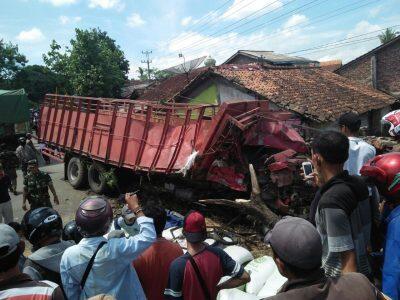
x: 94, y: 216
x: 71, y: 233
x: 22, y: 140
x: 41, y: 222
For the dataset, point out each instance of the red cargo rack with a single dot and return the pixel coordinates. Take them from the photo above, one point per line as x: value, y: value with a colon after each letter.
x: 141, y: 135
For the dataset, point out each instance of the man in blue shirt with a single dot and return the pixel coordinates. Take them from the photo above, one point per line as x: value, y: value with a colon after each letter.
x: 385, y: 172
x: 112, y: 272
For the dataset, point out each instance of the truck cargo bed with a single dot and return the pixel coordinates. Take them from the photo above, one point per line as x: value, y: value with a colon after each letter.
x: 141, y: 135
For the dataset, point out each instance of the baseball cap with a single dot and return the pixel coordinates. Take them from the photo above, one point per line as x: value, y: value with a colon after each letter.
x: 9, y: 240
x: 194, y: 227
x: 351, y: 120
x: 296, y: 242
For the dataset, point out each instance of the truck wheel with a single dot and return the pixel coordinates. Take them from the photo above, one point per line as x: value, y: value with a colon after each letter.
x: 96, y: 180
x: 77, y: 173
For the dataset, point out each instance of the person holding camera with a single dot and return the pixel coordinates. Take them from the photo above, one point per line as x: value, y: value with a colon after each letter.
x: 100, y: 266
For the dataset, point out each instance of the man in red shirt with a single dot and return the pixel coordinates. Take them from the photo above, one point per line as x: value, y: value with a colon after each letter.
x: 195, y: 274
x: 153, y: 264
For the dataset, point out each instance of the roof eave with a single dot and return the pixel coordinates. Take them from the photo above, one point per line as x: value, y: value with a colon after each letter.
x: 376, y: 49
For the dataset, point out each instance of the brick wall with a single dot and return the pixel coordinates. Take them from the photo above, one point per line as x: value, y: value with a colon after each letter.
x: 387, y: 69
x: 359, y: 71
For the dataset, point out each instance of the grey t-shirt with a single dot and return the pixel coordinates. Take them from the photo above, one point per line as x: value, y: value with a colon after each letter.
x: 343, y: 228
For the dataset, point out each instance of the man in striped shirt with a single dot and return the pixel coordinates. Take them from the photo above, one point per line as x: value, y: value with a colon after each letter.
x: 14, y: 284
x: 343, y: 216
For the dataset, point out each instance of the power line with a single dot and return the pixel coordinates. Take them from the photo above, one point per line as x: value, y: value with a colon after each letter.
x: 344, y: 44
x: 320, y: 18
x: 204, y: 25
x: 345, y: 39
x: 255, y: 12
x: 147, y: 61
x: 300, y: 8
x: 198, y: 22
x: 229, y: 14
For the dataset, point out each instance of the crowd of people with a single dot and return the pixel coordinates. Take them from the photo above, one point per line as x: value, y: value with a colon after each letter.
x: 349, y: 248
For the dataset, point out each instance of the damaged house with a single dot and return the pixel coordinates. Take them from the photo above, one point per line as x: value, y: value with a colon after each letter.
x: 316, y: 97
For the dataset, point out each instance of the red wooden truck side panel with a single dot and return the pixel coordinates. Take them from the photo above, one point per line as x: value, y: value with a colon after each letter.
x: 137, y: 135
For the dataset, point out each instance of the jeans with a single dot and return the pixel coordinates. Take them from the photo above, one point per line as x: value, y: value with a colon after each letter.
x: 6, y: 212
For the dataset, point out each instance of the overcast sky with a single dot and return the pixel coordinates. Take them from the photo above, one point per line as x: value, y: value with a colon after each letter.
x: 203, y: 27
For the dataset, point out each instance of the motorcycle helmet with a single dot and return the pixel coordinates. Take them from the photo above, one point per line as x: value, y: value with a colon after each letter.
x: 40, y: 223
x: 384, y: 170
x: 391, y: 122
x: 71, y: 233
x: 94, y: 216
x: 22, y: 141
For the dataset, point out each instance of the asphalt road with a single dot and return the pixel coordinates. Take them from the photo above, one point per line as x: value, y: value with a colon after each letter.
x: 69, y: 197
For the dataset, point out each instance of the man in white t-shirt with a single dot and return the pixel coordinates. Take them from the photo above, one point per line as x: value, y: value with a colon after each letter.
x: 359, y: 151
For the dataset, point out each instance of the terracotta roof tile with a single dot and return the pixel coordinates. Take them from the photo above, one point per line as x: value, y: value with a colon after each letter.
x: 331, y: 65
x: 317, y: 93
x: 168, y: 88
x: 313, y: 92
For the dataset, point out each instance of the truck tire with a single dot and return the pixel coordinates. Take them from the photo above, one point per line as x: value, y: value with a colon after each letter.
x: 77, y: 173
x: 96, y: 181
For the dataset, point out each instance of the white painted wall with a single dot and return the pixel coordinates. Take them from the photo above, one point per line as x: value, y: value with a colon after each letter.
x: 230, y: 93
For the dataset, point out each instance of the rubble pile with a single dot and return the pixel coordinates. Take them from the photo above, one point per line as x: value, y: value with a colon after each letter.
x: 383, y: 144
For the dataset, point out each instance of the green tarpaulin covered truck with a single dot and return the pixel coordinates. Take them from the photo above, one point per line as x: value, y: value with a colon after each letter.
x: 14, y: 114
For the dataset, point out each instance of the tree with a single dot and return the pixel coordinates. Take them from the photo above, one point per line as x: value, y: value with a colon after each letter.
x: 388, y: 35
x: 154, y: 74
x: 93, y: 65
x: 161, y: 74
x: 11, y: 62
x: 57, y: 63
x: 142, y: 75
x: 37, y: 81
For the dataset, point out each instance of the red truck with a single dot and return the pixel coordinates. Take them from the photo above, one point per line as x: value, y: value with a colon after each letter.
x: 196, y: 143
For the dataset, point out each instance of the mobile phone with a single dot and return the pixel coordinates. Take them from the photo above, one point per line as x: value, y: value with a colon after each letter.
x: 307, y: 168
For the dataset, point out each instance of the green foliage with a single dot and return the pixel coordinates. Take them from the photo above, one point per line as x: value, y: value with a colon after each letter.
x: 142, y: 74
x: 154, y: 74
x: 110, y: 178
x: 56, y: 60
x: 11, y: 62
x: 388, y: 35
x: 94, y: 65
x: 37, y: 81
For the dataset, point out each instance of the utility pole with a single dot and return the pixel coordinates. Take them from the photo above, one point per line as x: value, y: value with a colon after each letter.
x: 147, y: 61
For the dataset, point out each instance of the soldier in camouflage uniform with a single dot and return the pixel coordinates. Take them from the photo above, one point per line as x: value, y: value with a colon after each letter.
x: 10, y: 163
x: 36, y: 188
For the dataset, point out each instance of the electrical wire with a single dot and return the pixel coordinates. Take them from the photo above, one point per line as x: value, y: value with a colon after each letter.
x: 258, y: 26
x: 346, y: 39
x: 319, y: 19
x: 244, y: 18
x: 205, y: 25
